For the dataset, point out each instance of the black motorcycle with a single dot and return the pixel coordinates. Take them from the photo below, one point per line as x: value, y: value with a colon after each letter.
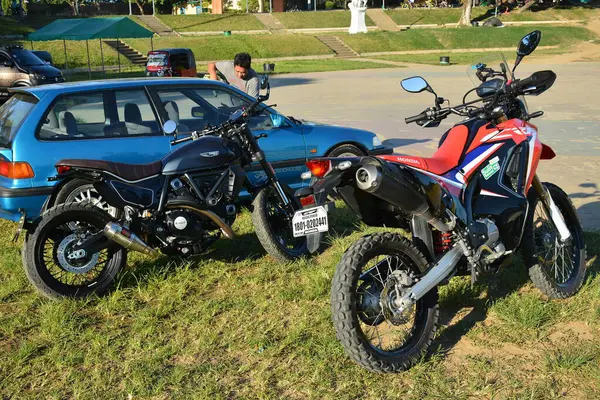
x: 178, y: 205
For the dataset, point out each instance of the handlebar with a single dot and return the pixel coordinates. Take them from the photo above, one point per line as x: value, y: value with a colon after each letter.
x: 416, y: 118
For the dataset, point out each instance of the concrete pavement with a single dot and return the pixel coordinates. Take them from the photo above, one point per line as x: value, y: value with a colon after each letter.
x: 374, y: 100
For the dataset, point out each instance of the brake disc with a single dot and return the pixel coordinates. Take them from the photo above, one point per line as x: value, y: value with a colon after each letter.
x: 75, y: 261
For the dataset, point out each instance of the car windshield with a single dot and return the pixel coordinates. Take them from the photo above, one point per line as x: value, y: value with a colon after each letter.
x: 157, y: 59
x: 26, y: 58
x: 12, y: 115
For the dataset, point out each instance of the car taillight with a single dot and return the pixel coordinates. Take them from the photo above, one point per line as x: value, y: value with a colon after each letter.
x: 16, y: 170
x: 61, y: 169
x: 319, y: 168
x: 307, y: 201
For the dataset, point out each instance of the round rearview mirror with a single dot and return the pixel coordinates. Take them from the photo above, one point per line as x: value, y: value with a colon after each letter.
x: 528, y: 44
x: 170, y: 127
x: 416, y: 84
x: 235, y: 115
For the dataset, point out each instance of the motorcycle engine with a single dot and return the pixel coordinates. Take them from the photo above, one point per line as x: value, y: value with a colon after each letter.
x: 184, y: 225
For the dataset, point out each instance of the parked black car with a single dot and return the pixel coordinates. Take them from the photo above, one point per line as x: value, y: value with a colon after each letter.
x: 21, y: 67
x: 44, y: 56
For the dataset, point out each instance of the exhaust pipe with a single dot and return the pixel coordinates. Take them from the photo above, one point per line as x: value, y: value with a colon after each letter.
x: 129, y: 240
x: 401, y: 191
x: 225, y: 229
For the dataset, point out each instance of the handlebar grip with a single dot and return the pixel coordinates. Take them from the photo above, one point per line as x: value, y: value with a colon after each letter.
x: 415, y: 118
x: 177, y: 141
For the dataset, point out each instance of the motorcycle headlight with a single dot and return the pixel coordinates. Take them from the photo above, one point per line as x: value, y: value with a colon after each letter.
x: 377, y: 142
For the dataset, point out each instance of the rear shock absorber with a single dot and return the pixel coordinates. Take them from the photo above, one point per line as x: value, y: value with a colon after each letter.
x: 442, y: 241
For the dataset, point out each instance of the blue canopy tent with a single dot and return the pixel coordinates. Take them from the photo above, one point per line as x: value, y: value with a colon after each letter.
x: 91, y: 28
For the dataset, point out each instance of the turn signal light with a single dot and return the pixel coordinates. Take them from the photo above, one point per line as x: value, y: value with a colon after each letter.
x: 307, y: 201
x: 16, y: 170
x: 61, y: 169
x: 319, y: 168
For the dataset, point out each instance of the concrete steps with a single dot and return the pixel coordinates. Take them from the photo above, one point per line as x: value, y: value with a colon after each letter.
x: 157, y: 26
x: 128, y: 52
x: 340, y: 48
x: 382, y: 20
x: 271, y: 23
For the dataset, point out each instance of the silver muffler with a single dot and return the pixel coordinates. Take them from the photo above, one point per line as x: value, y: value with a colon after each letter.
x: 129, y: 240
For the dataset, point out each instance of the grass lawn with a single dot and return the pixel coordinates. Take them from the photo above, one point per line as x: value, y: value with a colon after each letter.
x: 282, y: 67
x: 450, y: 38
x: 430, y: 16
x: 318, y: 19
x: 452, y: 15
x: 224, y: 48
x: 234, y: 324
x: 209, y: 22
x: 458, y: 58
x: 77, y: 54
x: 12, y: 26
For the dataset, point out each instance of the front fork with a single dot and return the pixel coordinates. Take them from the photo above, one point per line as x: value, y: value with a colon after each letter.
x: 551, y: 209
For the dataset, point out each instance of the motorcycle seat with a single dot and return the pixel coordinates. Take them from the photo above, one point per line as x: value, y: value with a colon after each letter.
x: 128, y: 172
x: 446, y: 157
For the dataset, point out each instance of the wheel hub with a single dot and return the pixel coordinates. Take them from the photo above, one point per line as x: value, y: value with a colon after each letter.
x: 75, y: 261
x: 395, y: 287
x: 369, y: 307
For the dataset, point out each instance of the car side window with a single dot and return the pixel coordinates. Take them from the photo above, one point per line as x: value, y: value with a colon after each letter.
x: 134, y: 110
x: 227, y: 102
x: 188, y: 110
x: 3, y: 59
x: 100, y: 115
x: 75, y: 116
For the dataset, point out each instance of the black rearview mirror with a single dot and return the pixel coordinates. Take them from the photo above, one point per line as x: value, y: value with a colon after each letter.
x: 528, y: 44
x: 264, y: 82
x: 416, y: 84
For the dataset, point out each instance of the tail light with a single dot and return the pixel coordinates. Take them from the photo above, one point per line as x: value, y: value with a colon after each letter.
x: 307, y: 201
x: 319, y: 168
x: 16, y: 170
x: 61, y: 169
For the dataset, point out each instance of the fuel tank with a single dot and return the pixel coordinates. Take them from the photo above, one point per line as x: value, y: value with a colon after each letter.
x: 203, y: 153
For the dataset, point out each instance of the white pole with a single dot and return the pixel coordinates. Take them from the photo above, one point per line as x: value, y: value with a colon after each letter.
x: 129, y: 7
x: 153, y: 9
x: 270, y: 6
x: 246, y: 6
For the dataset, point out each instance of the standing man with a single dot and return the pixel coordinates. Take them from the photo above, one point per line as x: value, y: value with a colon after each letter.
x: 238, y: 73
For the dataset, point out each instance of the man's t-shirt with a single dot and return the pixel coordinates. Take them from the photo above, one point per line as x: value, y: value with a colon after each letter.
x: 249, y: 85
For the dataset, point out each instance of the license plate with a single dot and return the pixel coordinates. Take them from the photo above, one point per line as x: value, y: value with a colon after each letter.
x: 310, y: 221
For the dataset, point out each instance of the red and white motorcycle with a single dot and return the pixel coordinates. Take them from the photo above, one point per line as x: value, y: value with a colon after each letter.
x: 470, y: 207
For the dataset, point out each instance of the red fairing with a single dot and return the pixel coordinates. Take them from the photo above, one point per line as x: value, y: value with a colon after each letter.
x: 547, y: 152
x: 444, y: 159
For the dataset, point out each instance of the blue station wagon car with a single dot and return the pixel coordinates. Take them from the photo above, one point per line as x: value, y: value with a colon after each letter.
x: 122, y: 120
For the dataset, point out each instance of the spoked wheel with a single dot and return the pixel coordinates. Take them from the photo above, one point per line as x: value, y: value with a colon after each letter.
x: 58, y: 270
x: 79, y: 191
x: 373, y: 273
x: 273, y: 225
x: 556, y: 268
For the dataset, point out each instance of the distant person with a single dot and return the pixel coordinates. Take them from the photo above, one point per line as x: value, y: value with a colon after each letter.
x: 238, y: 73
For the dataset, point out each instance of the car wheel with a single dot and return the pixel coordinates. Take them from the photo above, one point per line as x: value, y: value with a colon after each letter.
x: 79, y: 191
x: 346, y: 150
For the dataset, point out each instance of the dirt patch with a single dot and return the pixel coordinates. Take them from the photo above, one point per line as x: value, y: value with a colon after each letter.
x: 589, y: 51
x: 580, y: 330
